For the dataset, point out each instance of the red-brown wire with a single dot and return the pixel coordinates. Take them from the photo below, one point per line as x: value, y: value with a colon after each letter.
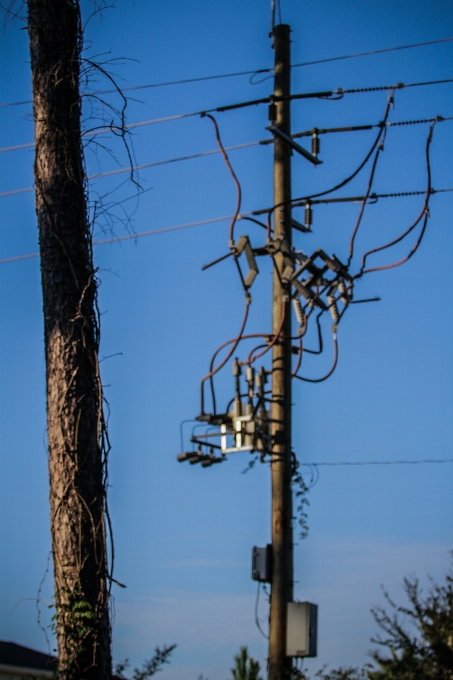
x: 236, y: 181
x: 250, y: 358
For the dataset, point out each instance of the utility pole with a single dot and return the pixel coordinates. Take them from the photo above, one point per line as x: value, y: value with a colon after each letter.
x: 281, y: 463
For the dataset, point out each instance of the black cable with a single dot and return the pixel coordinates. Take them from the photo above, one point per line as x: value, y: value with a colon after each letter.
x: 257, y: 621
x: 247, y: 73
x: 334, y: 365
x: 128, y: 237
x: 364, y: 202
x: 303, y: 199
x: 366, y: 54
x: 424, y: 212
x: 382, y: 462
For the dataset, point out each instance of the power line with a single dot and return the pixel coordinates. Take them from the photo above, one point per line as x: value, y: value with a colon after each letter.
x: 247, y: 73
x: 241, y: 216
x: 142, y: 166
x: 366, y: 54
x: 338, y: 93
x: 129, y: 237
x: 382, y: 462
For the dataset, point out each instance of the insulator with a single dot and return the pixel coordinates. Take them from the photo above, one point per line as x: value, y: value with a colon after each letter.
x: 303, y: 290
x: 272, y: 112
x: 261, y: 378
x: 187, y: 455
x: 315, y: 144
x: 300, y: 316
x: 211, y: 461
x: 249, y: 374
x: 236, y: 368
x: 308, y: 216
x: 343, y: 292
x: 333, y: 308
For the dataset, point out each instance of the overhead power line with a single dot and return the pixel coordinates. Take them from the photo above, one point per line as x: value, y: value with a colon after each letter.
x: 262, y: 142
x: 185, y: 81
x: 143, y: 166
x: 382, y: 462
x: 241, y: 216
x: 338, y: 93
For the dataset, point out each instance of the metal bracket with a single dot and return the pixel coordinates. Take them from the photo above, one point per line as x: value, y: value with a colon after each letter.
x: 291, y: 143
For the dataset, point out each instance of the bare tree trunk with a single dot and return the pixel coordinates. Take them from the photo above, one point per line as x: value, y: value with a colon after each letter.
x: 76, y: 434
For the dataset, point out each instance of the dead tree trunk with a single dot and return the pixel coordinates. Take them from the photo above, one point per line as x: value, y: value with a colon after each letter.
x: 76, y: 430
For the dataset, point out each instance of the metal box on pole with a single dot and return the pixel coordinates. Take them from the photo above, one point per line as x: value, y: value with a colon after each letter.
x: 302, y: 629
x: 262, y: 564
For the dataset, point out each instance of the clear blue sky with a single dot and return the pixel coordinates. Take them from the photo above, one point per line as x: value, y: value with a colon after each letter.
x: 183, y: 535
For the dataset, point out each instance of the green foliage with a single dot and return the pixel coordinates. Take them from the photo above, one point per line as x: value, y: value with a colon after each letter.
x: 418, y: 637
x: 300, y: 491
x: 150, y: 667
x: 336, y: 674
x: 246, y: 668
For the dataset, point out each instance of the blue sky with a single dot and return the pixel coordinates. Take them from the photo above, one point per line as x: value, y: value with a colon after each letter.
x: 183, y: 535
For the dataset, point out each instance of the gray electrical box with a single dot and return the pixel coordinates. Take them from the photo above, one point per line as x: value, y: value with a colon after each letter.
x: 302, y: 629
x: 262, y: 564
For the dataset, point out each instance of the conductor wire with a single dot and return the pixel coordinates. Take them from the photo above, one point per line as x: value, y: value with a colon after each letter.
x: 236, y: 342
x: 364, y: 162
x: 334, y: 365
x: 251, y: 358
x: 257, y: 621
x: 299, y: 356
x: 303, y: 199
x: 424, y: 212
x: 364, y: 202
x: 236, y: 181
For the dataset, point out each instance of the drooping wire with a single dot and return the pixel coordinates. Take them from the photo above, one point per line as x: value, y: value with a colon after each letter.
x: 251, y: 358
x: 340, y: 185
x: 230, y: 168
x: 364, y: 162
x: 424, y: 212
x: 302, y: 349
x: 334, y: 365
x: 257, y: 620
x: 212, y: 220
x: 365, y: 199
x: 235, y: 343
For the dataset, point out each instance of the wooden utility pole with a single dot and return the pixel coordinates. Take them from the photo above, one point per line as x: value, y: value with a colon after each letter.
x: 75, y: 424
x: 282, y: 541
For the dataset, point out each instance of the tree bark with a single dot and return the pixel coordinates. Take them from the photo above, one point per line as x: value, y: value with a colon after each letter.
x: 76, y: 428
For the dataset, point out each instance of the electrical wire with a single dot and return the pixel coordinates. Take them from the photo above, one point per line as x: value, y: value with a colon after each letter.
x: 296, y: 135
x: 372, y: 52
x: 236, y: 342
x: 424, y: 212
x: 328, y: 94
x: 257, y: 621
x: 300, y: 337
x: 250, y: 358
x: 144, y: 166
x: 128, y: 237
x: 303, y: 199
x: 382, y: 462
x: 213, y: 220
x: 364, y: 202
x: 361, y: 166
x: 247, y: 73
x: 219, y: 349
x: 230, y: 168
x: 334, y: 365
x: 299, y: 356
